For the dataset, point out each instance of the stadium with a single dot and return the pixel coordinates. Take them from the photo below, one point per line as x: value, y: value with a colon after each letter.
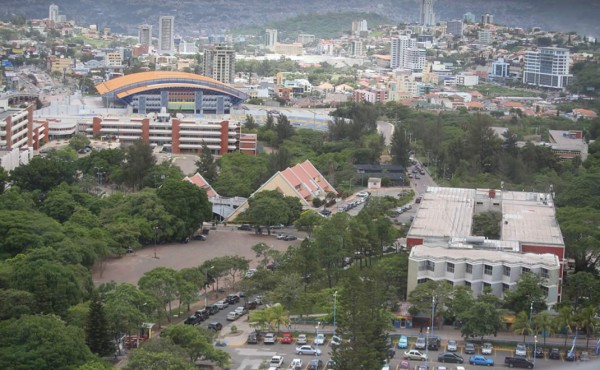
x: 146, y: 92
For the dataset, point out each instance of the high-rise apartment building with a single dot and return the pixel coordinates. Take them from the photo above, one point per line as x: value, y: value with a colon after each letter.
x: 547, y: 67
x: 145, y: 34
x: 219, y: 63
x: 487, y: 19
x: 359, y: 26
x: 427, y: 17
x: 399, y: 55
x: 53, y: 13
x: 484, y: 37
x: 357, y: 48
x: 166, y: 34
x: 305, y: 38
x: 455, y: 27
x: 270, y: 38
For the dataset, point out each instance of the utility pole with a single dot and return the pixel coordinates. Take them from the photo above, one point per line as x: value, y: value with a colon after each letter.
x: 334, y: 307
x: 155, y: 240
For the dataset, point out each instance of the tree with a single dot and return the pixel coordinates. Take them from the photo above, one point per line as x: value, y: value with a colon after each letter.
x: 580, y: 229
x: 580, y: 289
x: 565, y: 320
x: 400, y: 147
x: 3, y: 179
x: 161, y: 284
x: 522, y: 325
x: 542, y: 322
x: 587, y: 319
x: 97, y: 330
x: 159, y: 354
x: 197, y: 343
x: 527, y: 291
x: 15, y: 303
x: 262, y: 251
x: 125, y: 307
x: 43, y: 174
x: 307, y: 222
x: 139, y: 160
x: 41, y: 342
x: 487, y: 224
x: 78, y: 142
x: 422, y: 297
x: 206, y: 164
x: 479, y: 320
x: 240, y: 174
x: 188, y: 203
x: 250, y: 123
x: 268, y: 208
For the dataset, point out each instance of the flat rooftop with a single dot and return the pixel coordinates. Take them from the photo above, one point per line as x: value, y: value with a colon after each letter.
x: 491, y: 256
x: 4, y: 114
x: 447, y: 213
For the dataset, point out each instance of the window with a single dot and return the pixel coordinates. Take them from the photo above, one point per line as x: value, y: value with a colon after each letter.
x: 450, y: 267
x: 506, y: 271
x: 487, y: 287
x: 525, y: 270
x: 430, y: 266
x: 422, y: 281
x: 545, y: 289
x: 545, y: 274
x: 505, y: 287
x: 487, y: 269
x: 469, y: 268
x: 468, y: 284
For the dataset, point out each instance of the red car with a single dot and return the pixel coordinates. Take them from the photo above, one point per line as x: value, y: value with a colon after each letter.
x: 287, y: 338
x: 404, y: 365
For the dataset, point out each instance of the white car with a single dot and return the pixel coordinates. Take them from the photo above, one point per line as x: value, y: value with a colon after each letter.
x: 362, y: 194
x: 301, y: 339
x: 250, y: 273
x: 521, y: 350
x: 296, y: 364
x: 308, y: 350
x: 413, y: 354
x: 241, y: 310
x: 335, y: 341
x: 276, y: 361
x: 452, y: 346
x: 222, y: 304
x: 487, y: 349
x: 232, y: 316
x: 269, y: 338
x: 320, y: 339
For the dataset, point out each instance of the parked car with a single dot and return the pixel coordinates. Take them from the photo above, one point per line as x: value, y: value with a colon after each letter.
x: 281, y: 236
x: 450, y: 357
x: 404, y: 365
x: 286, y: 338
x: 584, y: 356
x: 469, y: 348
x: 222, y: 304
x: 296, y: 364
x: 320, y: 339
x: 241, y: 310
x: 232, y: 299
x: 452, y: 346
x: 232, y: 316
x: 202, y: 314
x: 315, y: 364
x: 414, y: 354
x: 250, y: 273
x: 213, y: 309
x: 245, y: 227
x: 570, y: 355
x: 276, y: 361
x: 403, y: 342
x: 420, y: 343
x: 521, y: 362
x: 290, y: 237
x: 252, y: 338
x: 308, y: 350
x: 325, y: 212
x: 301, y: 339
x: 481, y: 360
x: 192, y: 320
x: 521, y: 350
x: 250, y: 305
x: 539, y: 352
x: 554, y: 354
x: 335, y: 340
x: 487, y: 349
x: 269, y: 338
x: 277, y: 226
x: 216, y: 326
x: 362, y: 194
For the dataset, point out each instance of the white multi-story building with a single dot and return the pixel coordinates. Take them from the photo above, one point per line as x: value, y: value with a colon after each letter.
x: 357, y: 48
x: 145, y: 34
x: 500, y: 69
x: 305, y: 38
x: 442, y: 247
x: 270, y: 38
x: 219, y: 63
x: 547, y: 67
x: 398, y: 50
x: 188, y: 48
x: 359, y: 26
x: 427, y: 16
x: 484, y: 37
x: 166, y: 34
x: 415, y: 59
x: 113, y: 59
x: 53, y: 13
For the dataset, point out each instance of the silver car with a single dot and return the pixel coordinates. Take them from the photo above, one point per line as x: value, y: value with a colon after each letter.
x: 308, y: 350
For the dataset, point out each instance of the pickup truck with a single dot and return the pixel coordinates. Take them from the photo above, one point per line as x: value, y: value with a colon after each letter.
x: 296, y: 364
x: 518, y: 362
x: 276, y: 361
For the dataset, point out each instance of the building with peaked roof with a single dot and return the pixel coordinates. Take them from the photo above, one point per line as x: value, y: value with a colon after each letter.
x: 303, y: 181
x: 443, y: 248
x: 175, y: 91
x: 222, y: 207
x: 199, y: 180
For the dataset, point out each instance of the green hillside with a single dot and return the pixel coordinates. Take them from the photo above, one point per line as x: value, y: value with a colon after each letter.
x: 321, y: 25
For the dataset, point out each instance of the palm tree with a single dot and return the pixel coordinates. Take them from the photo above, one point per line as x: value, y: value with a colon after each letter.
x: 586, y: 319
x: 565, y: 319
x: 277, y: 315
x: 543, y: 322
x: 522, y: 325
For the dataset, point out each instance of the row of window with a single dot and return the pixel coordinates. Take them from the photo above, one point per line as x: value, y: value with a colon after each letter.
x: 485, y: 286
x: 487, y: 269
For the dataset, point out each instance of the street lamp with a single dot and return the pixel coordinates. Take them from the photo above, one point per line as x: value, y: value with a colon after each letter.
x: 432, y: 314
x: 155, y: 240
x: 534, y: 349
x: 206, y: 287
x: 334, y: 307
x: 427, y: 345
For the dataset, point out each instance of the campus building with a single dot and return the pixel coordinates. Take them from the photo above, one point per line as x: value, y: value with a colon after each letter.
x: 176, y: 135
x: 18, y: 130
x: 443, y: 248
x: 174, y: 91
x: 547, y: 67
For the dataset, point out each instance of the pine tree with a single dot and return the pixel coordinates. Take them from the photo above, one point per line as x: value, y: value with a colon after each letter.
x: 206, y: 164
x: 98, y: 337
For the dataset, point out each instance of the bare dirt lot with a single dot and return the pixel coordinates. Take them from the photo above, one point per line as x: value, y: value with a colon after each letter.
x: 223, y: 242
